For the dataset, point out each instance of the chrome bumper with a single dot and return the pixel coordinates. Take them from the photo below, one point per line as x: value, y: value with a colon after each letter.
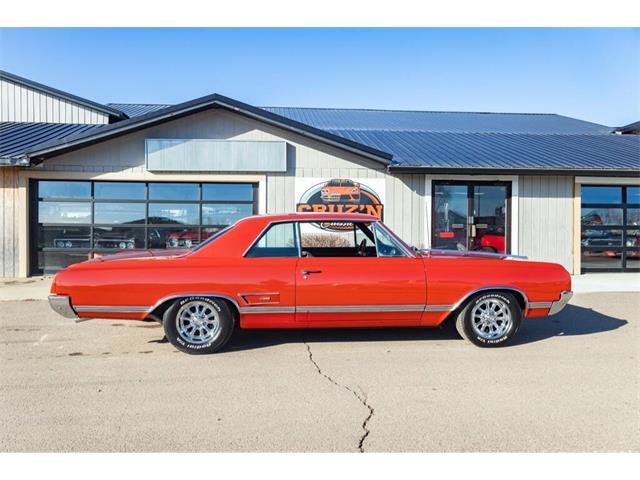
x: 61, y: 304
x: 558, y: 305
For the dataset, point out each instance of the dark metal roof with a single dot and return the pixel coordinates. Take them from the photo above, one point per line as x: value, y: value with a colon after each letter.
x: 632, y: 127
x: 53, y: 148
x: 505, y: 151
x: 17, y: 137
x: 549, y: 148
x: 137, y: 109
x: 59, y: 93
x: 426, y: 121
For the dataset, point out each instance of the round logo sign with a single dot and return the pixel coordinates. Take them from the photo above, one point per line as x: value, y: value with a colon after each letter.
x: 340, y: 195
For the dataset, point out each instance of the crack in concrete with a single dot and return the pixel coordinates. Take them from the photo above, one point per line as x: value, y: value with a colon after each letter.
x: 361, y: 398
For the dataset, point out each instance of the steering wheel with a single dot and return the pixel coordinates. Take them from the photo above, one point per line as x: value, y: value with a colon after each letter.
x: 362, y: 248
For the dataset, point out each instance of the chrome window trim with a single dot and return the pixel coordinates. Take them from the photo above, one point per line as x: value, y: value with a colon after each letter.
x: 407, y: 252
x: 263, y: 231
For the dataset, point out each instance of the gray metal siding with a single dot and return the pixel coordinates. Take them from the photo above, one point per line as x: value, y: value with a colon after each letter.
x: 8, y: 222
x: 546, y: 218
x: 200, y: 155
x: 19, y: 103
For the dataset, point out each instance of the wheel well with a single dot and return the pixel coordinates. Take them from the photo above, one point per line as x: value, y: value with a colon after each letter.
x: 158, y: 312
x: 519, y: 296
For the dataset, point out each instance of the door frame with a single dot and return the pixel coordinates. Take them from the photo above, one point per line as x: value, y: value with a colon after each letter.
x: 511, y: 184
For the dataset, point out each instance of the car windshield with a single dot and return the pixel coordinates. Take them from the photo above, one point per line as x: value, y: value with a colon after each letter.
x: 218, y: 234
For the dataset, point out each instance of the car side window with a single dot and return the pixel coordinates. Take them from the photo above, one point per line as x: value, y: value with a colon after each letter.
x: 387, y: 245
x: 279, y: 240
x: 337, y: 239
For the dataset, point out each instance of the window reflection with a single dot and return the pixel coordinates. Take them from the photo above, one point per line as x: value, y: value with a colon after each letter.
x: 224, y: 214
x: 58, y: 189
x: 119, y: 190
x: 64, y: 212
x: 173, y: 191
x: 185, y: 213
x: 227, y: 191
x: 119, y: 213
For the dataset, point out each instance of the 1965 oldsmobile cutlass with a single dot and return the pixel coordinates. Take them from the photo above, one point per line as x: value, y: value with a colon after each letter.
x: 310, y: 270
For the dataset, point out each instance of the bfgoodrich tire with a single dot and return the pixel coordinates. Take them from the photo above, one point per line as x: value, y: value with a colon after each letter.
x: 490, y: 319
x: 198, y: 325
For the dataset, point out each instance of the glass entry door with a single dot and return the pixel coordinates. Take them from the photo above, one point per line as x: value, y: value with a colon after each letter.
x: 471, y: 216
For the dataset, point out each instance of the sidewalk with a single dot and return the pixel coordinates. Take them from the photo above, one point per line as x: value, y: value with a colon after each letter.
x: 35, y: 288
x: 606, y: 282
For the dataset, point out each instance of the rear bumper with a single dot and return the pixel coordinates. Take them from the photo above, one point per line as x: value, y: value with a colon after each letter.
x: 558, y: 305
x: 61, y: 304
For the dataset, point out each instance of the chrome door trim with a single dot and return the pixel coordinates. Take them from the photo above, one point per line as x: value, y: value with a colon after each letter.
x: 360, y: 308
x: 250, y: 310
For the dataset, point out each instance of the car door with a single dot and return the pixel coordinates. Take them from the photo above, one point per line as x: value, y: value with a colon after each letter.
x: 265, y: 278
x: 371, y: 280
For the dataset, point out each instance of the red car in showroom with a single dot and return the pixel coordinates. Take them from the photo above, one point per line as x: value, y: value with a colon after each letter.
x: 296, y: 271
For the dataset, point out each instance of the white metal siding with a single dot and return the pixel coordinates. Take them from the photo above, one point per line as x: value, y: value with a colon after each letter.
x: 19, y: 103
x: 546, y: 219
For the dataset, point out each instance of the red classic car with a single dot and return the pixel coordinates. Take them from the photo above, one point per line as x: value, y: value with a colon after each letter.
x: 286, y: 271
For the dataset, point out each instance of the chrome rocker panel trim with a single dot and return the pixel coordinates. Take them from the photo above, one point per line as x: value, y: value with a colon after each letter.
x: 62, y: 305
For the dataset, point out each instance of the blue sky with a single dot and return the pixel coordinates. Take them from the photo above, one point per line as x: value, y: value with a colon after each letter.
x: 592, y: 74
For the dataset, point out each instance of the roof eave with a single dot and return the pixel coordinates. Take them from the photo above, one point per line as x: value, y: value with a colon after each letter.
x: 52, y: 149
x: 630, y: 172
x: 14, y: 162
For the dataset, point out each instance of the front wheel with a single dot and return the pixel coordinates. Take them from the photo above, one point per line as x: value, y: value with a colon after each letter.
x: 490, y: 319
x: 198, y: 325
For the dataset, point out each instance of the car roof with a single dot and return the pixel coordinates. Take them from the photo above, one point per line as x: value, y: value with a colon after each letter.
x: 304, y: 216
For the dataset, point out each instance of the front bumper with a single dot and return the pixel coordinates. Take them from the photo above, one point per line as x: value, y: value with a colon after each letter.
x: 61, y: 304
x: 558, y: 305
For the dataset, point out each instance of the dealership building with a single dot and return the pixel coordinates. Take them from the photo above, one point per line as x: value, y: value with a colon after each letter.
x: 79, y: 178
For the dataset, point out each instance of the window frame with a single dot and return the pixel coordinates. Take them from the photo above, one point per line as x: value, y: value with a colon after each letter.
x: 624, y: 227
x: 145, y: 226
x: 265, y: 231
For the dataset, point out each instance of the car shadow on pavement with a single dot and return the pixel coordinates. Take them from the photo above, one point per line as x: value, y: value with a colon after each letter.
x: 573, y: 320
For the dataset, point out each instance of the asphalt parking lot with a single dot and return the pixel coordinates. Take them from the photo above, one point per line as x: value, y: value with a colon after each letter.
x: 569, y: 383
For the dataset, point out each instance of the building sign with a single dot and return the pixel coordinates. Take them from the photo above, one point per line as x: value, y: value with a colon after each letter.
x: 340, y: 195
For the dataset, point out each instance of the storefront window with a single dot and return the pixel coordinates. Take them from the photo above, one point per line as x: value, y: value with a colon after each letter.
x: 72, y: 220
x: 609, y: 236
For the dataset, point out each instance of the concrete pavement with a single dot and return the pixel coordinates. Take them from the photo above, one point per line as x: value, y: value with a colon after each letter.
x: 570, y: 383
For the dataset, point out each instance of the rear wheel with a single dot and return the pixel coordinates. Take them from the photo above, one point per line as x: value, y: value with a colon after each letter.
x: 490, y: 319
x: 198, y: 325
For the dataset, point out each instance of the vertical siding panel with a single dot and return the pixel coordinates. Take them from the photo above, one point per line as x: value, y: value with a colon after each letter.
x: 4, y: 101
x: 24, y: 103
x: 11, y: 101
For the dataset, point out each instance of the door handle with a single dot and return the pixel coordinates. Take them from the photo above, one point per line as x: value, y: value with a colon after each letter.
x: 307, y: 272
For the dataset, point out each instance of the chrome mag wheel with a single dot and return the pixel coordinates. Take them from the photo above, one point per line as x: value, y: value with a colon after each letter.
x: 198, y: 322
x: 491, y: 318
